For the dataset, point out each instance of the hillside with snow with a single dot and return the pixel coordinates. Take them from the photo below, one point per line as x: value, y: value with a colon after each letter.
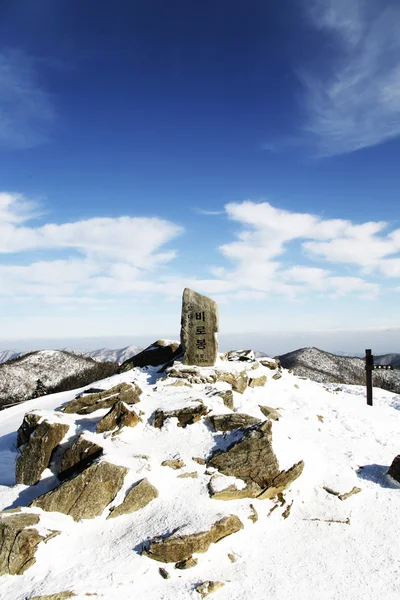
x: 332, y: 534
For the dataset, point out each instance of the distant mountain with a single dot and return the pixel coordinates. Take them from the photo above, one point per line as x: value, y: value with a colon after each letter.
x: 6, y: 355
x: 57, y: 370
x: 325, y: 367
x: 118, y: 355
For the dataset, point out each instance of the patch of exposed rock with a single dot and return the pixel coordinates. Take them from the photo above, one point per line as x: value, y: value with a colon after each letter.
x: 78, y: 457
x: 208, y: 587
x: 19, y: 539
x: 227, y: 398
x: 186, y: 415
x: 87, y: 404
x: 138, y: 497
x: 253, y: 460
x: 27, y: 427
x: 173, y: 463
x: 118, y: 417
x: 394, y: 470
x: 159, y: 353
x: 178, y: 548
x: 240, y: 355
x: 232, y: 421
x: 270, y: 413
x: 59, y: 596
x: 270, y: 363
x: 257, y: 381
x: 238, y: 381
x: 87, y: 495
x: 36, y: 453
x: 191, y: 375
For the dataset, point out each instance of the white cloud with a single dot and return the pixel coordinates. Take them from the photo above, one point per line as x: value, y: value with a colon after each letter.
x: 355, y: 103
x: 26, y: 109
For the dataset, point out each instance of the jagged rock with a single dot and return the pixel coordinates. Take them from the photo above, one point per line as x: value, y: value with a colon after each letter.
x: 227, y: 398
x: 159, y: 353
x: 208, y: 587
x: 232, y: 421
x: 118, y: 417
x: 87, y: 495
x: 174, y: 463
x: 138, y: 497
x: 18, y: 541
x: 36, y: 454
x: 240, y: 355
x: 238, y: 381
x: 177, y: 548
x: 186, y: 415
x: 27, y: 427
x: 59, y: 596
x: 253, y: 460
x: 78, y: 457
x: 257, y: 381
x: 186, y: 564
x: 270, y: 413
x: 85, y: 405
x: 199, y: 325
x: 394, y: 470
x: 270, y: 363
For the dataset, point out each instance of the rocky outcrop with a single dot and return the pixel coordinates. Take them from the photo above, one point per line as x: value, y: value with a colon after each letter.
x: 118, y: 417
x: 27, y: 427
x: 199, y: 325
x: 138, y: 497
x: 394, y: 470
x: 19, y: 539
x: 238, y: 381
x: 159, y: 353
x: 87, y: 495
x: 257, y: 381
x: 36, y: 454
x: 253, y: 460
x: 232, y: 421
x: 87, y: 404
x: 78, y: 457
x: 175, y: 548
x: 186, y: 415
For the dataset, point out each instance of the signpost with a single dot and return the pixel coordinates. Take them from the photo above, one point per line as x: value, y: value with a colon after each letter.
x: 369, y: 367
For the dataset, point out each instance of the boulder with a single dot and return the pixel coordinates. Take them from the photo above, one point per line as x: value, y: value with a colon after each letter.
x: 138, y: 497
x: 36, y: 454
x: 270, y: 363
x: 175, y: 548
x: 186, y: 415
x: 78, y: 457
x: 257, y: 381
x: 253, y: 460
x: 19, y: 539
x: 232, y: 421
x: 394, y: 470
x: 87, y: 495
x: 238, y: 381
x: 118, y: 417
x: 159, y: 353
x: 227, y: 398
x: 27, y: 427
x: 270, y: 413
x: 199, y: 325
x: 87, y: 404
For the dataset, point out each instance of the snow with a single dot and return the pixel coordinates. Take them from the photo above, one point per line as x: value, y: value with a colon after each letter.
x: 326, y: 548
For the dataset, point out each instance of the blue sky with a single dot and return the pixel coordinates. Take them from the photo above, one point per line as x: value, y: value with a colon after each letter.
x: 249, y: 150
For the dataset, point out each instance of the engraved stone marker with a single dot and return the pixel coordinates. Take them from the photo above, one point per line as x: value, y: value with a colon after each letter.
x: 199, y: 324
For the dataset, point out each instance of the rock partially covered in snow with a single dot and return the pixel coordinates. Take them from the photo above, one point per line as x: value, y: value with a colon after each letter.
x: 27, y: 427
x: 78, y: 457
x: 36, y: 454
x: 118, y: 417
x: 394, y: 470
x: 138, y: 497
x: 176, y: 548
x: 232, y: 421
x: 186, y: 415
x: 86, y: 404
x: 159, y: 353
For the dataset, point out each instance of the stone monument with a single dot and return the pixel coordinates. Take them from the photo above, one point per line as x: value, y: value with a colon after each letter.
x: 199, y: 325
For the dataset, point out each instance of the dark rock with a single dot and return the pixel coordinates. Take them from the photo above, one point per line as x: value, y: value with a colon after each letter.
x: 159, y: 353
x: 118, y: 417
x: 394, y: 470
x: 78, y: 457
x: 18, y: 541
x: 199, y: 325
x: 85, y: 405
x: 178, y: 548
x: 36, y: 454
x: 27, y: 427
x: 138, y: 497
x: 232, y: 421
x: 87, y: 495
x: 186, y: 415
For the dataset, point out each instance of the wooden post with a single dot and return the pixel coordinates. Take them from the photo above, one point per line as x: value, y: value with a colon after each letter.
x: 369, y: 365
